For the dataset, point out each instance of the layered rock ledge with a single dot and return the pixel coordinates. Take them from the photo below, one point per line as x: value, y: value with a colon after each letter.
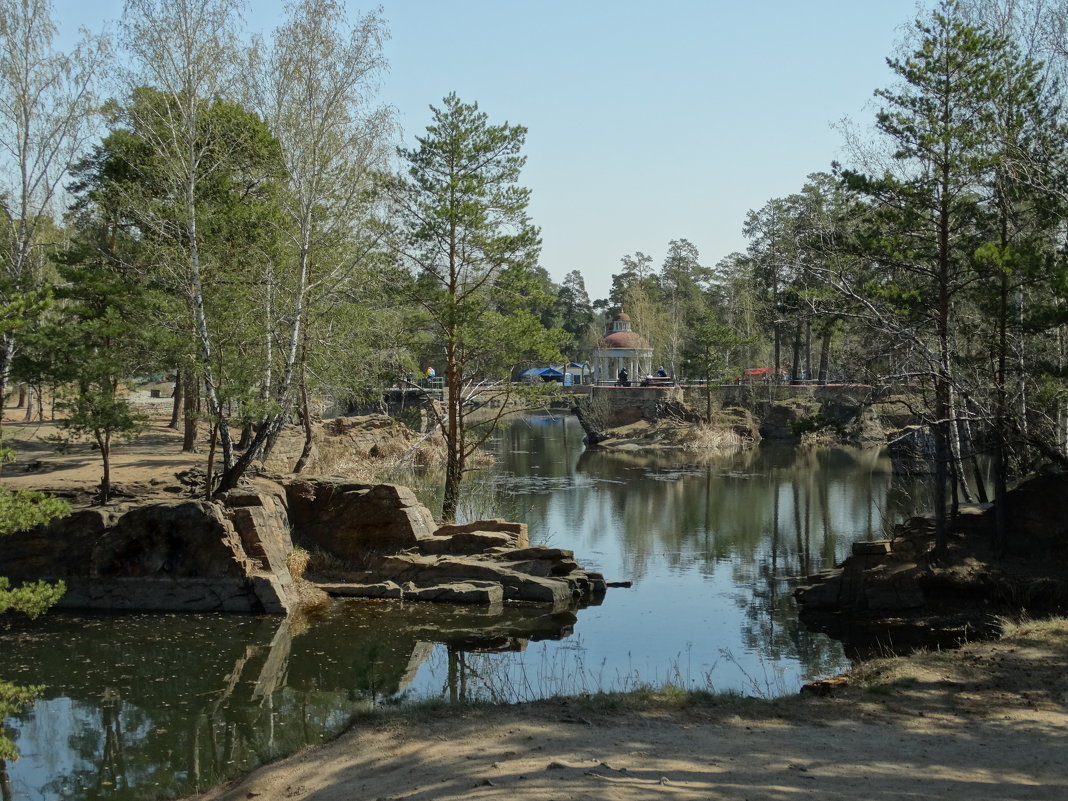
x: 233, y: 555
x: 898, y: 593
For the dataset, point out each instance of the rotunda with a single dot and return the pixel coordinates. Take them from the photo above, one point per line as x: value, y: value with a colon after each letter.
x: 622, y: 347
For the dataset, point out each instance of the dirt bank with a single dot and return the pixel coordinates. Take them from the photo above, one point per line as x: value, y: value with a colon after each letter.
x: 989, y: 721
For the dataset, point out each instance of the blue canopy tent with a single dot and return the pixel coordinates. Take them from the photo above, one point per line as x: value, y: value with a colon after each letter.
x: 535, y: 374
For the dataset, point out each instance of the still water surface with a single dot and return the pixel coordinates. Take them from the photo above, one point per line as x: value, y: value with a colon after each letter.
x: 153, y: 706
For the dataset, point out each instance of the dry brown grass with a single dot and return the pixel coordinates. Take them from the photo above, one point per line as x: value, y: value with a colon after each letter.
x: 297, y: 561
x: 703, y: 437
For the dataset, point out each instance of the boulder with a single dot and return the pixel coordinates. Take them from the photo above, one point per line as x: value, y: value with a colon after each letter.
x: 255, y: 595
x: 180, y: 539
x: 460, y: 592
x: 380, y: 589
x: 60, y: 550
x: 261, y: 520
x: 170, y: 556
x: 467, y: 542
x: 1037, y: 514
x: 355, y: 521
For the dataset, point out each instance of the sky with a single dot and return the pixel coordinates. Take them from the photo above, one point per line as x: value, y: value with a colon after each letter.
x: 648, y: 120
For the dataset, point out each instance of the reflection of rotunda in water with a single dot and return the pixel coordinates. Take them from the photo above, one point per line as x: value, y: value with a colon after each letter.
x: 621, y: 348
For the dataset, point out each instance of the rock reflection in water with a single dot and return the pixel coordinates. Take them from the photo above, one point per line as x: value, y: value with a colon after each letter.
x: 151, y: 706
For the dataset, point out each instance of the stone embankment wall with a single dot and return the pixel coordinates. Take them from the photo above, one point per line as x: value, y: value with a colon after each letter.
x: 779, y: 410
x: 232, y: 555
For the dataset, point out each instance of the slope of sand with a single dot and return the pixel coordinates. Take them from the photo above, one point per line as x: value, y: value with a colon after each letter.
x: 989, y: 721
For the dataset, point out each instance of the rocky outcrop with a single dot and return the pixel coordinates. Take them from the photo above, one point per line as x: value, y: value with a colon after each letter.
x: 898, y: 592
x: 232, y: 555
x: 536, y: 575
x: 169, y: 556
x: 836, y: 414
x: 355, y: 521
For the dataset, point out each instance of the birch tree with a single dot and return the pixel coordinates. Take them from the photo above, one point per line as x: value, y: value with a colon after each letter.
x: 47, y: 111
x: 315, y: 86
x: 188, y: 51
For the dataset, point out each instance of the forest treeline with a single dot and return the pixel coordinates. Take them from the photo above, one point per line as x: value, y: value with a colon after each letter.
x: 238, y: 214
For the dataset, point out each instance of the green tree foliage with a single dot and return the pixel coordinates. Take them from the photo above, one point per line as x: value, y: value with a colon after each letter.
x: 773, y: 264
x: 13, y: 699
x: 681, y: 283
x: 575, y: 314
x: 932, y: 238
x: 463, y: 231
x: 21, y: 510
x: 708, y: 348
x: 45, y: 118
x: 205, y: 149
x: 132, y: 222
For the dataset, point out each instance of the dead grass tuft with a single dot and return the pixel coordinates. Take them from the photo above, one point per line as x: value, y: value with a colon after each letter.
x: 704, y: 437
x: 297, y: 561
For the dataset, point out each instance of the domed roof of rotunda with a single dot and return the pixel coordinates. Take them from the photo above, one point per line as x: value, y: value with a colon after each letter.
x: 624, y: 339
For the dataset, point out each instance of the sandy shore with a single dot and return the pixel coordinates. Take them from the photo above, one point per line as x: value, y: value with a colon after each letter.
x: 989, y: 721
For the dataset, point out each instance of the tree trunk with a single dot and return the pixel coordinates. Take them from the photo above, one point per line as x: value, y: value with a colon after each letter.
x: 954, y: 444
x: 1021, y: 383
x: 969, y: 448
x: 305, y: 453
x: 453, y: 464
x: 825, y: 355
x: 176, y: 396
x: 708, y: 395
x: 808, y: 349
x: 105, y: 479
x: 191, y: 381
x: 246, y: 437
x: 209, y: 481
x: 6, y: 793
x: 1062, y: 399
x: 795, y: 358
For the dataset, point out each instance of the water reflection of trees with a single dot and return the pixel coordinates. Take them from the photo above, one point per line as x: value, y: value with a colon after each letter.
x: 726, y: 508
x: 766, y: 517
x: 165, y: 705
x: 771, y: 515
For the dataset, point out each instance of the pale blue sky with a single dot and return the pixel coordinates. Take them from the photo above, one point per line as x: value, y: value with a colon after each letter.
x: 648, y: 121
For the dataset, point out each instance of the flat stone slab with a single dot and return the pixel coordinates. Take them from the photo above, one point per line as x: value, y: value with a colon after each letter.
x: 429, y: 570
x: 382, y: 589
x: 466, y: 542
x: 467, y: 592
x: 459, y: 592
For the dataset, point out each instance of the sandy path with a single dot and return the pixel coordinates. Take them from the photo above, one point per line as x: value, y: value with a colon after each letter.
x: 989, y: 722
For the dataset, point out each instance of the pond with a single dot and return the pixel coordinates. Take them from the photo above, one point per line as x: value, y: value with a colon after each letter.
x: 155, y: 706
